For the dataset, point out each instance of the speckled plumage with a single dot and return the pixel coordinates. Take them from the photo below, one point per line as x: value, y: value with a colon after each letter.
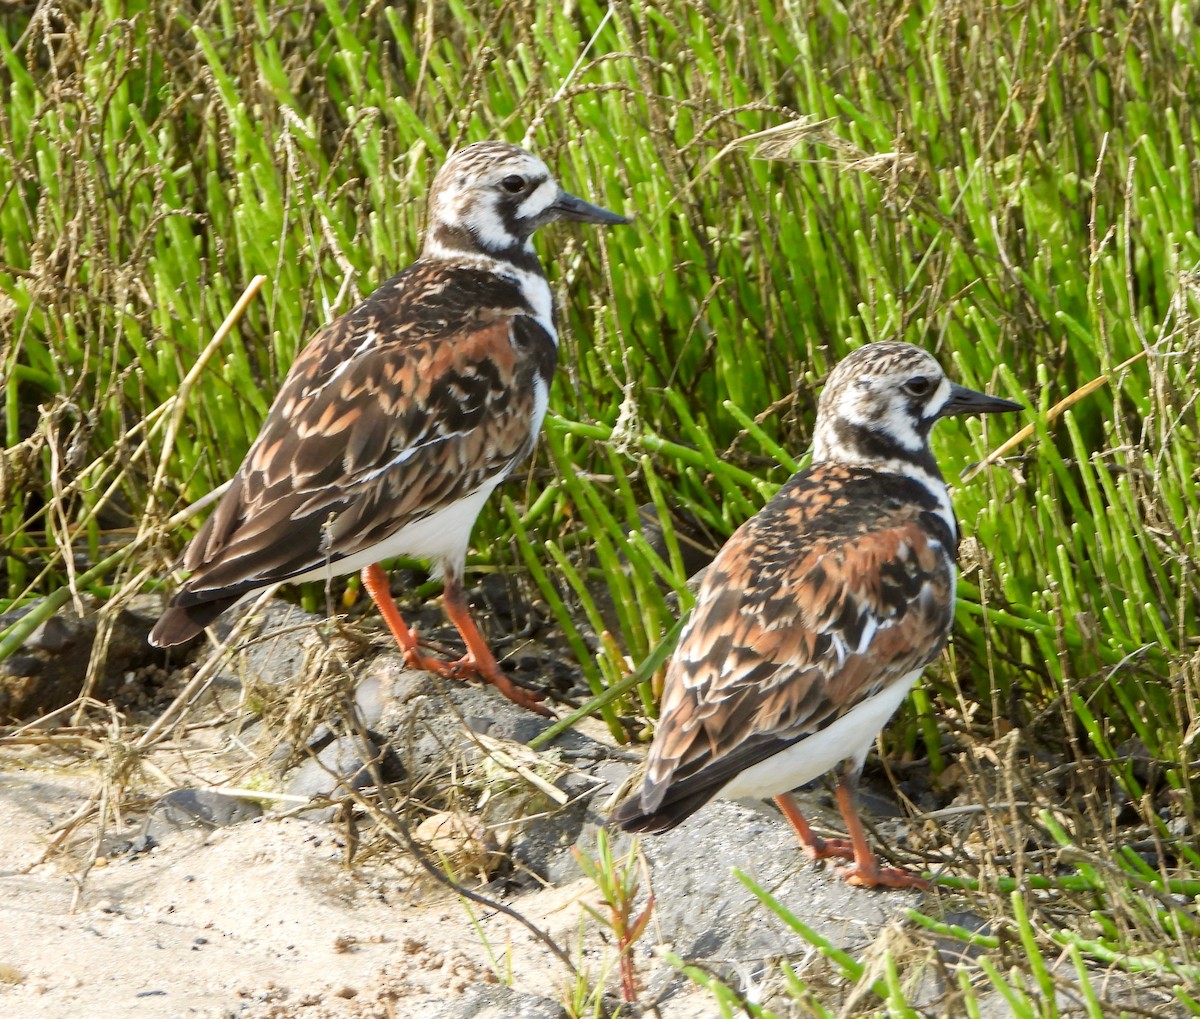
x: 409, y: 408
x: 820, y: 612
x: 364, y: 439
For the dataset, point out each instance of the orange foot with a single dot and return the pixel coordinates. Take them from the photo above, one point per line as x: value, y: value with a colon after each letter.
x: 423, y: 663
x: 875, y: 876
x: 823, y: 849
x: 467, y: 666
x: 489, y: 672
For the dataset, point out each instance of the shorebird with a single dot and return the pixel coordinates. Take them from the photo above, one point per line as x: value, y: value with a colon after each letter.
x: 398, y: 419
x: 819, y: 614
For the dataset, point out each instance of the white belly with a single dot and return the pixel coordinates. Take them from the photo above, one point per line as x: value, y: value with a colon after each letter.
x: 441, y: 537
x: 850, y: 737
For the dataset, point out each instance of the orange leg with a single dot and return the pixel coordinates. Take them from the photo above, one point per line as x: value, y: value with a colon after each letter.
x: 815, y: 846
x: 479, y: 659
x: 376, y: 583
x: 865, y: 869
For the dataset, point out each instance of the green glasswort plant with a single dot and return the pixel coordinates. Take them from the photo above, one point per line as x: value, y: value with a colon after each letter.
x: 1011, y: 186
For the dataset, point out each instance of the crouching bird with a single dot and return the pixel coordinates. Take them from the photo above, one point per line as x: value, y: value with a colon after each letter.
x: 398, y: 419
x: 820, y: 612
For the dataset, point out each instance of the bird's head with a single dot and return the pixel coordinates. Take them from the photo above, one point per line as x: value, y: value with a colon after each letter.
x: 490, y: 197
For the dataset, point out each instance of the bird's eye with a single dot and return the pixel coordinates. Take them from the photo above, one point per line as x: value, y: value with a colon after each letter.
x: 513, y: 183
x: 919, y: 385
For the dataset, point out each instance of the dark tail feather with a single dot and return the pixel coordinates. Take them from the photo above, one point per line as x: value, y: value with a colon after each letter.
x: 180, y: 623
x: 632, y: 818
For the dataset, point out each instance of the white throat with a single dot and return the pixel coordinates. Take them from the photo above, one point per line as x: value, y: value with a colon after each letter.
x: 536, y: 290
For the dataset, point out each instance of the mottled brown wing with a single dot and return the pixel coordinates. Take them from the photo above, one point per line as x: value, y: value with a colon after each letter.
x: 785, y: 640
x: 357, y: 446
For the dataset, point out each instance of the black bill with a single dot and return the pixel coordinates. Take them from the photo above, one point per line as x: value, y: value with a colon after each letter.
x: 971, y: 401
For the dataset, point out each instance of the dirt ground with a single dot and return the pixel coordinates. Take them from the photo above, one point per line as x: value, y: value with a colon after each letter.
x: 260, y: 919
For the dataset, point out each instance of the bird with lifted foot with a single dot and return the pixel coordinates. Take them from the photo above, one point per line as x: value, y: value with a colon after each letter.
x: 398, y: 419
x: 819, y: 614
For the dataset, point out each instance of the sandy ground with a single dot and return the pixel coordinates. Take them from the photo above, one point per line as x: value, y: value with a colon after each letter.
x: 261, y: 919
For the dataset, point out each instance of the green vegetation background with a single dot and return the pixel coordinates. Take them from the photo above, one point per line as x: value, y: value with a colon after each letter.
x: 1012, y: 186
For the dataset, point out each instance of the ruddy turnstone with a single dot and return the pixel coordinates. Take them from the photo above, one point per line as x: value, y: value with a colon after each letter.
x: 819, y: 614
x: 399, y: 418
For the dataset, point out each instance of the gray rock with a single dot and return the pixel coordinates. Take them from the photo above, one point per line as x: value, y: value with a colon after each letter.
x: 391, y: 683
x: 370, y: 699
x: 341, y: 764
x: 50, y: 669
x: 23, y: 667
x: 495, y: 1001
x: 707, y: 914
x: 611, y: 775
x: 54, y: 635
x: 877, y: 803
x: 445, y: 709
x: 526, y: 728
x: 196, y: 808
x: 427, y: 733
x: 544, y: 847
x: 278, y: 656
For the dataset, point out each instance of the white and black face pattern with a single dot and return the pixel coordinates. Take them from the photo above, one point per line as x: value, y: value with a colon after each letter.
x: 879, y: 402
x: 488, y: 200
x: 490, y: 196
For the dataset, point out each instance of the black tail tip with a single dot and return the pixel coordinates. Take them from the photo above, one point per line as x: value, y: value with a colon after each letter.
x: 677, y: 806
x: 182, y: 623
x: 172, y: 629
x: 630, y: 817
